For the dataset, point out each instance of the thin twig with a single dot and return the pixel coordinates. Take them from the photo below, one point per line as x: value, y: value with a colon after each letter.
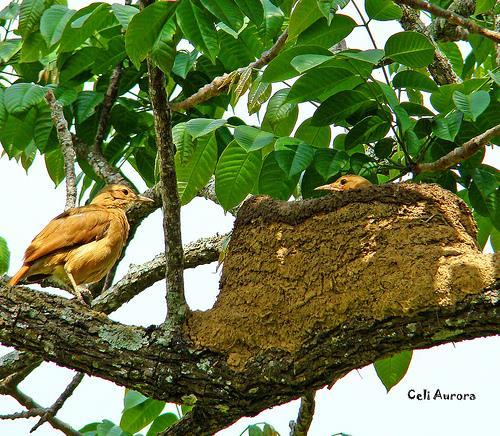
x: 31, y: 404
x: 220, y: 83
x: 459, y: 154
x: 24, y: 414
x: 305, y: 417
x: 52, y: 410
x: 66, y: 141
x: 452, y: 17
x: 107, y: 105
x: 174, y: 254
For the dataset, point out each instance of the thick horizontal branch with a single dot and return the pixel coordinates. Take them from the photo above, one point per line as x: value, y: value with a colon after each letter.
x: 459, y: 154
x: 140, y: 277
x: 220, y: 83
x: 452, y: 17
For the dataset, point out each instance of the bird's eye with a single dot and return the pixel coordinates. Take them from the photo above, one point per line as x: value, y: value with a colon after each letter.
x: 125, y: 191
x: 343, y: 181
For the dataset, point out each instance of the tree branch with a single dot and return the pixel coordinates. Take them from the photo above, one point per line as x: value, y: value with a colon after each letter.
x: 34, y: 409
x: 306, y: 415
x: 176, y: 302
x: 452, y: 17
x: 107, y: 105
x: 64, y: 136
x: 459, y: 154
x: 219, y: 84
x: 51, y: 412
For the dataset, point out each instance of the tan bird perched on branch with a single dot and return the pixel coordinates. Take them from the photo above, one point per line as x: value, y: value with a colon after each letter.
x: 346, y: 183
x: 82, y: 244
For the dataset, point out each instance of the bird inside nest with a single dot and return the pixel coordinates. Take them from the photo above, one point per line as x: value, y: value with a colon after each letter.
x: 82, y: 244
x: 346, y: 183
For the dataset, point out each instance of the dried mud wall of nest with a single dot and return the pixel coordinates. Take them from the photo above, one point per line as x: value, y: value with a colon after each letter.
x: 295, y: 269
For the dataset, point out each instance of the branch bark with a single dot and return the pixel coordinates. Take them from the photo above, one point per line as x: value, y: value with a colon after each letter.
x: 403, y: 272
x: 459, y: 154
x: 452, y: 17
x: 220, y: 83
x: 306, y: 415
x: 64, y: 136
x: 174, y: 255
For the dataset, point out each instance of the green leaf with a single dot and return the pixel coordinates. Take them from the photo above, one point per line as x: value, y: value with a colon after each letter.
x: 198, y: 28
x: 43, y: 126
x: 327, y: 35
x: 253, y: 9
x: 483, y: 6
x: 4, y: 256
x: 280, y: 116
x: 416, y: 110
x: 9, y: 48
x: 484, y: 229
x: 391, y: 370
x: 414, y: 80
x: 316, y: 136
x: 85, y: 105
x: 251, y: 138
x: 235, y: 174
x: 196, y: 173
x: 258, y: 94
x: 338, y: 107
x: 145, y: 28
x: 203, y: 126
x: 106, y: 60
x: 372, y: 56
x: 124, y: 14
x: 305, y: 13
x: 137, y: 417
x: 410, y: 48
x: 183, y: 63
x: 145, y: 163
x: 161, y: 423
x: 184, y: 143
x: 447, y: 127
x: 369, y: 129
x: 29, y: 16
x: 53, y: 22
x: 303, y: 63
x: 54, y: 162
x: 226, y: 11
x: 453, y: 53
x: 384, y: 148
x: 21, y: 96
x: 132, y: 398
x: 163, y: 51
x: 383, y: 10
x: 293, y: 162
x: 82, y: 60
x: 473, y: 104
x: 273, y: 181
x: 279, y: 68
x: 3, y: 110
x: 84, y: 24
x: 321, y: 83
x: 108, y: 428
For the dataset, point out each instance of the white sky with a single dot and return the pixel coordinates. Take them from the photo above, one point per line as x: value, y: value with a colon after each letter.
x: 357, y: 405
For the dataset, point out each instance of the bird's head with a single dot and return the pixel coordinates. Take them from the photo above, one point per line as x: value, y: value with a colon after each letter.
x: 346, y: 183
x: 118, y: 196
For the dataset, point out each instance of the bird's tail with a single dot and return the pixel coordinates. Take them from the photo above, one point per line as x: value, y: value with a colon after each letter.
x: 19, y: 275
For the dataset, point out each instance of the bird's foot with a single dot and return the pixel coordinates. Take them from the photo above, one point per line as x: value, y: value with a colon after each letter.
x: 83, y: 295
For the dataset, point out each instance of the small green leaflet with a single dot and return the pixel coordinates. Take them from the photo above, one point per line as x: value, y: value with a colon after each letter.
x: 391, y: 370
x: 410, y: 48
x: 4, y: 256
x: 471, y: 105
x: 251, y: 138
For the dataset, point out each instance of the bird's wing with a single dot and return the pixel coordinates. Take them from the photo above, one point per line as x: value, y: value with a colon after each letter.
x: 71, y: 228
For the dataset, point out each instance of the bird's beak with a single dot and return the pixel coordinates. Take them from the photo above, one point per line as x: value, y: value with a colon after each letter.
x: 143, y: 199
x: 330, y: 187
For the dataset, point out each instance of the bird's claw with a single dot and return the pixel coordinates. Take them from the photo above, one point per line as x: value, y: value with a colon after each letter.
x: 83, y: 295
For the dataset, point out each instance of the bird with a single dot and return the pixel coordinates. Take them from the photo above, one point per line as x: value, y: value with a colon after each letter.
x: 82, y: 244
x: 346, y: 183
